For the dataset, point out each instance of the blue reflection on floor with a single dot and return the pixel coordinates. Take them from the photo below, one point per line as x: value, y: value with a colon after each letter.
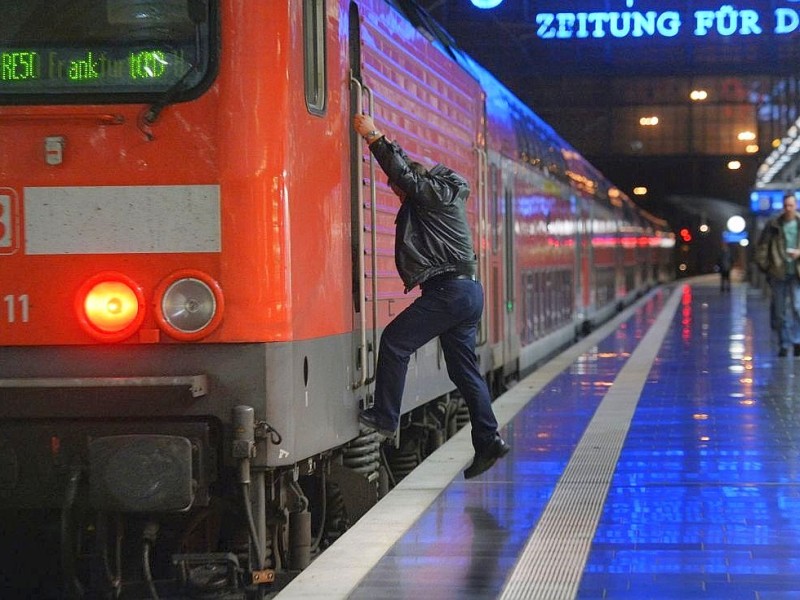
x: 705, y: 501
x: 468, y: 541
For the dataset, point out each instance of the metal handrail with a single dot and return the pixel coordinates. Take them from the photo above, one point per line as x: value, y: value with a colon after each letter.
x: 365, y: 379
x: 373, y: 197
x: 196, y: 384
x: 362, y: 302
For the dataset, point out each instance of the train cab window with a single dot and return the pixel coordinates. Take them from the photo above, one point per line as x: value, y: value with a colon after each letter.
x: 102, y: 51
x: 314, y: 55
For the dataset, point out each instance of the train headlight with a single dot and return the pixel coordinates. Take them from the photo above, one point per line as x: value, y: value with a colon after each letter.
x: 189, y: 305
x: 110, y: 306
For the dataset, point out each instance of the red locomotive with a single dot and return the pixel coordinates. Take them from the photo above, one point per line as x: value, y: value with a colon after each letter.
x: 196, y: 264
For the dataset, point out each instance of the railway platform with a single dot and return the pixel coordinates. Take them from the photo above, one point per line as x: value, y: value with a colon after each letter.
x: 658, y: 458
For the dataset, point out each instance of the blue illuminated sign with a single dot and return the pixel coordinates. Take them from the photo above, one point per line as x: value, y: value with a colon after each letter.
x: 724, y: 20
x: 487, y: 3
x: 765, y: 202
x: 734, y: 238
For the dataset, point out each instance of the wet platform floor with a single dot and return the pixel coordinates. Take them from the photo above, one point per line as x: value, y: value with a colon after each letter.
x: 656, y: 459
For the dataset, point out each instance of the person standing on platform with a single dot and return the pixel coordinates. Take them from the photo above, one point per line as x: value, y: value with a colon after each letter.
x: 433, y: 249
x: 776, y: 255
x: 724, y: 264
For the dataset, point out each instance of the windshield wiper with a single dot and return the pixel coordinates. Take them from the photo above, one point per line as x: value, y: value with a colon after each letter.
x: 151, y: 115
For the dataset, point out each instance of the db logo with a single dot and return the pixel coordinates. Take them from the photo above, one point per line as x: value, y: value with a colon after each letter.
x: 8, y: 221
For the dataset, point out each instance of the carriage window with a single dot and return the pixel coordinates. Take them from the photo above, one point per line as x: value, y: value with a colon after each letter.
x: 61, y: 51
x: 314, y: 59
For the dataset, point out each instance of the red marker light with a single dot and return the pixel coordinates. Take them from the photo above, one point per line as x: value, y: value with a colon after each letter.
x: 110, y: 306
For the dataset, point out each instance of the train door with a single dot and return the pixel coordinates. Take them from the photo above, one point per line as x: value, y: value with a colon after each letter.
x: 501, y: 293
x: 483, y: 238
x: 584, y: 274
x: 494, y: 281
x: 362, y: 207
x: 510, y: 337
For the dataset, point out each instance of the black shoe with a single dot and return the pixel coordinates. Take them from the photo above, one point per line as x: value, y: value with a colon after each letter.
x: 368, y: 421
x: 486, y: 457
x: 783, y: 352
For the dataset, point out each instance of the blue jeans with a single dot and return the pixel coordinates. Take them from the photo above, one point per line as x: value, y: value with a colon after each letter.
x: 451, y: 310
x: 785, y: 308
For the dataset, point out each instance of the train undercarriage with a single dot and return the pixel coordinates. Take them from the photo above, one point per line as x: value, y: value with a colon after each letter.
x: 111, y: 515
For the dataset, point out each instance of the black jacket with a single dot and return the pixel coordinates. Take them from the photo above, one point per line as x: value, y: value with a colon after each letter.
x: 771, y: 255
x: 432, y: 233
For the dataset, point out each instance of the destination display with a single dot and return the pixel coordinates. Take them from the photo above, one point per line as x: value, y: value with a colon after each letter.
x: 66, y: 70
